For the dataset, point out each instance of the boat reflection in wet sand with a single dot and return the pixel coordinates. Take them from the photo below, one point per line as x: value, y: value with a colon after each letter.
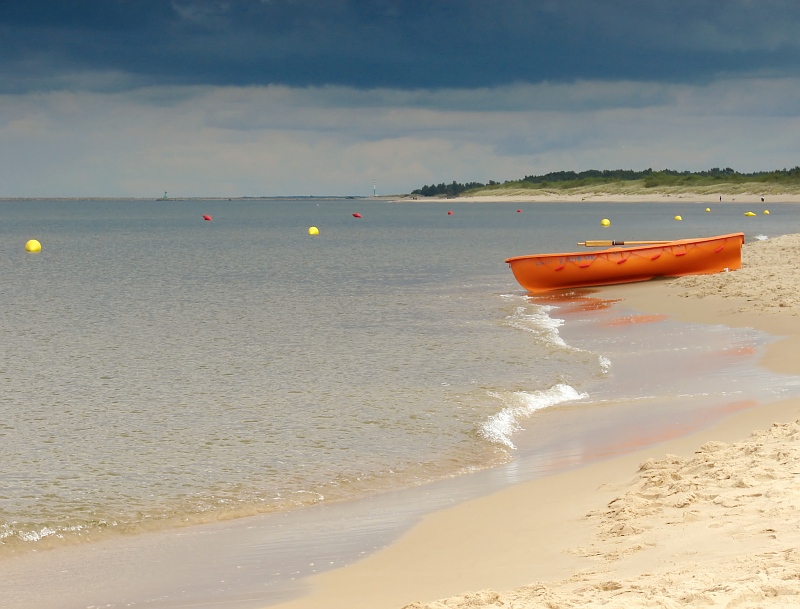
x: 628, y: 261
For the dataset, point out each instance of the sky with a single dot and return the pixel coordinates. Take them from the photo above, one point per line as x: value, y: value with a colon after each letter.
x: 134, y: 98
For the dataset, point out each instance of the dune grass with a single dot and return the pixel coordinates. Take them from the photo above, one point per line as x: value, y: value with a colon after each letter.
x: 634, y: 187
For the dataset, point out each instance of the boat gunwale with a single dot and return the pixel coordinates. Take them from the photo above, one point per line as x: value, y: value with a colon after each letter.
x: 623, y: 248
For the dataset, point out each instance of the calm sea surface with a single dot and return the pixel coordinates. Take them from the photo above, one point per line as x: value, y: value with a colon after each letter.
x: 157, y: 369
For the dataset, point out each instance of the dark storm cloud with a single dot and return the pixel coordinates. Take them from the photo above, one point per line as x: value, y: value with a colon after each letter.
x: 391, y: 43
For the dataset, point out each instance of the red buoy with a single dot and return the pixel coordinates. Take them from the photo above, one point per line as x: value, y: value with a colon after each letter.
x: 519, y: 211
x: 356, y: 215
x: 449, y: 213
x: 207, y: 218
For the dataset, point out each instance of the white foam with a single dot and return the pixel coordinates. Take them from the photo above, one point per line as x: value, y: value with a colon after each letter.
x: 32, y: 536
x: 37, y: 535
x: 760, y: 237
x: 501, y: 426
x: 539, y: 323
x: 546, y: 327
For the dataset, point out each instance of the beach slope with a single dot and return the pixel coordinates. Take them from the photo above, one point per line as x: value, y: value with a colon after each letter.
x: 709, y: 519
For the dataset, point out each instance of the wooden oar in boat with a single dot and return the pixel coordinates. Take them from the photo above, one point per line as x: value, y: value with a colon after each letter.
x: 608, y: 243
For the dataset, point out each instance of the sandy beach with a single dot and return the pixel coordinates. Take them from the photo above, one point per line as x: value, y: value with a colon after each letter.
x: 712, y: 519
x: 588, y: 195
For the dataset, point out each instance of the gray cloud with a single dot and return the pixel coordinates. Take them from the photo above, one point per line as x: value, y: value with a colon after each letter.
x: 247, y: 97
x: 236, y: 141
x: 397, y: 44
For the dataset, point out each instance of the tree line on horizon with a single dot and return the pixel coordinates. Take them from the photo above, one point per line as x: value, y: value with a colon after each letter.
x: 651, y: 178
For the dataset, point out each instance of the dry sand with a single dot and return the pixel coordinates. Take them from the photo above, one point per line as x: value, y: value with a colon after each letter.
x: 535, y: 196
x: 712, y: 519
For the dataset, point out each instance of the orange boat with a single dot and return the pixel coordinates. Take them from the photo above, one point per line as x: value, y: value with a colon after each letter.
x: 644, y: 260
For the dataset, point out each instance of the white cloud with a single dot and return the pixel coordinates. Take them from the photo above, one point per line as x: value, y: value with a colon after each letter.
x: 249, y: 141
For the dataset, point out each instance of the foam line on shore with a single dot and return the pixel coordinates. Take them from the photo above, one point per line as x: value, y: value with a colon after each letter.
x: 500, y: 427
x: 705, y: 519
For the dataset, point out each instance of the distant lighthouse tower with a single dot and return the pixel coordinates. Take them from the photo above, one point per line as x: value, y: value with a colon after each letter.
x: 374, y: 190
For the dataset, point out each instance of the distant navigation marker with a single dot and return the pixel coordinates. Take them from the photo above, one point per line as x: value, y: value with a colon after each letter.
x: 373, y: 188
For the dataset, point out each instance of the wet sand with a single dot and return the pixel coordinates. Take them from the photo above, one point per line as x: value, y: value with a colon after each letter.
x: 706, y: 519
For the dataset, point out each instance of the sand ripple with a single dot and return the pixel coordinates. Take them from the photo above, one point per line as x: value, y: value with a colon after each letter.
x: 721, y: 528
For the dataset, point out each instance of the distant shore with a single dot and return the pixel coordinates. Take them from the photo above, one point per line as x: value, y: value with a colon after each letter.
x: 623, y: 192
x: 557, y: 197
x: 626, y: 190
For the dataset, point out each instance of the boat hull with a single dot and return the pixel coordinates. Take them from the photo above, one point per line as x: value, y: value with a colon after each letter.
x: 545, y: 272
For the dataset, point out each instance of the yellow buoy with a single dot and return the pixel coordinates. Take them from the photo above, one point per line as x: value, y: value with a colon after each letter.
x: 708, y: 209
x: 605, y: 222
x: 678, y: 218
x: 749, y: 213
x: 766, y: 212
x: 33, y: 246
x: 313, y: 230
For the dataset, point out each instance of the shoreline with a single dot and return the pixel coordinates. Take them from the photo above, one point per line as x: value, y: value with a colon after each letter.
x: 709, y: 518
x: 514, y: 196
x: 277, y: 552
x: 540, y: 531
x: 595, y: 197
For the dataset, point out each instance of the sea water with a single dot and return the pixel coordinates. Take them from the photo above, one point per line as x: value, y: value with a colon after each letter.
x: 159, y: 370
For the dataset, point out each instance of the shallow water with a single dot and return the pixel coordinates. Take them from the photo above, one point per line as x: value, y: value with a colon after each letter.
x: 651, y: 365
x: 159, y: 370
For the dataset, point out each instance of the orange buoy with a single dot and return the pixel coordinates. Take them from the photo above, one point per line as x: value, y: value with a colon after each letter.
x: 206, y: 218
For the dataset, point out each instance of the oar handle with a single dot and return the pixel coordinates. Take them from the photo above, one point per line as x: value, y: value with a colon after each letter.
x: 609, y: 243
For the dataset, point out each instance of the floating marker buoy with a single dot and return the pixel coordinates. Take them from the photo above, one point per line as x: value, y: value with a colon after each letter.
x: 449, y: 213
x: 708, y: 209
x: 313, y: 230
x: 749, y: 213
x: 766, y: 212
x: 605, y: 222
x: 519, y: 211
x: 678, y: 218
x: 206, y: 218
x: 356, y: 215
x: 33, y: 246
